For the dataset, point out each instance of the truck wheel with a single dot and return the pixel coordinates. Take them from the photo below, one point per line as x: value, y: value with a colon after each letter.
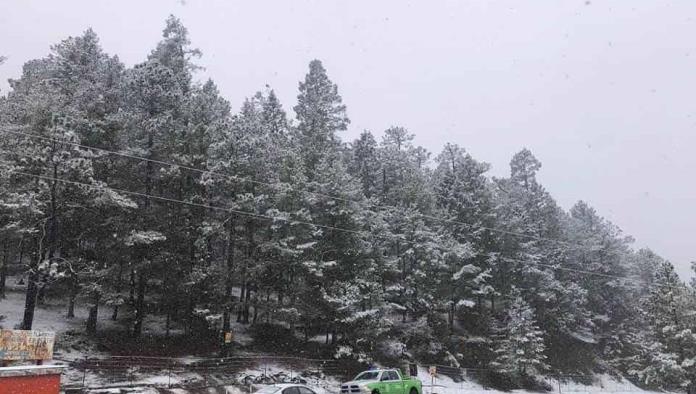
x: 414, y: 391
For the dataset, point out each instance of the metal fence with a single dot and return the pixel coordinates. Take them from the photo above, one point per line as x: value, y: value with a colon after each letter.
x: 159, y: 372
x: 247, y: 372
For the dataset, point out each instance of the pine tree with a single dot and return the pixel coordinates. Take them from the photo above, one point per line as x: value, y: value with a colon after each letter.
x: 320, y: 114
x: 83, y: 82
x: 365, y: 164
x: 463, y: 197
x: 599, y: 246
x: 670, y: 359
x: 522, y: 350
x: 158, y: 92
x: 334, y: 265
x: 531, y: 245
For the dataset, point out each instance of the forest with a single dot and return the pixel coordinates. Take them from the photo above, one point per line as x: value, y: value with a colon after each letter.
x: 139, y: 190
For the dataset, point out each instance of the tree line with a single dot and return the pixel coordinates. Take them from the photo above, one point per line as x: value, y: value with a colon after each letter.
x: 139, y: 190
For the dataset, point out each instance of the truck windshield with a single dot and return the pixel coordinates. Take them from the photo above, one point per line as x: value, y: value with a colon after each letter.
x: 369, y: 375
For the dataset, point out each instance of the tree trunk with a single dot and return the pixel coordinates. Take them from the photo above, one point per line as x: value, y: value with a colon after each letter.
x: 247, y: 303
x: 192, y: 263
x: 140, y: 301
x: 242, y: 295
x: 119, y: 284
x: 93, y: 315
x: 30, y: 300
x: 41, y: 294
x: 20, y: 259
x: 139, y: 307
x: 131, y: 290
x: 168, y: 301
x: 3, y: 269
x: 73, y: 295
x: 114, y: 313
x: 52, y: 236
x: 168, y: 323
x: 403, y: 282
x: 189, y: 309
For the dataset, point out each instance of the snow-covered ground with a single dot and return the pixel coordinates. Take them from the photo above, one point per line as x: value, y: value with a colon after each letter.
x: 601, y: 384
x: 51, y: 316
x: 70, y: 344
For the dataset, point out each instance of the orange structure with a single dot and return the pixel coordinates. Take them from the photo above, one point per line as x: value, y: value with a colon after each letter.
x: 30, y: 379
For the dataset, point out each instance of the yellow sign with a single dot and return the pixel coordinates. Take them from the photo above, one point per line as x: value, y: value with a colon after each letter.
x: 26, y: 345
x: 229, y: 337
x: 432, y: 370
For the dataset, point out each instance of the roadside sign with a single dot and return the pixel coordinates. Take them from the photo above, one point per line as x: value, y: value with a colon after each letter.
x: 413, y: 369
x: 229, y: 337
x: 432, y: 370
x: 21, y: 345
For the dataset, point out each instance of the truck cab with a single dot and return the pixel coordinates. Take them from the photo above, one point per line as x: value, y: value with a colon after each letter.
x: 382, y: 381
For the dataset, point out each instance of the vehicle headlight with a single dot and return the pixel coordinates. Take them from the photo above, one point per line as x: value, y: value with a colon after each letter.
x: 365, y: 389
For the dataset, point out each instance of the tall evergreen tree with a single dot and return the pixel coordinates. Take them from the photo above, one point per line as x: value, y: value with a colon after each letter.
x: 521, y: 352
x: 321, y: 115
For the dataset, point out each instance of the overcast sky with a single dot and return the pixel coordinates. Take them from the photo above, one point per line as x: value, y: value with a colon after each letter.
x: 601, y: 92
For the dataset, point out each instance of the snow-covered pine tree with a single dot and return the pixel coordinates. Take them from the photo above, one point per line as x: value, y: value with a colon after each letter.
x: 599, y: 246
x: 336, y: 272
x: 403, y: 180
x: 669, y: 345
x: 464, y: 199
x: 157, y: 93
x: 521, y: 349
x: 64, y: 97
x: 364, y: 163
x: 320, y: 114
x: 533, y: 242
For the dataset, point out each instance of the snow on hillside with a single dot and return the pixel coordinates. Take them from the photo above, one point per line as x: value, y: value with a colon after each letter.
x: 51, y: 316
x: 601, y: 384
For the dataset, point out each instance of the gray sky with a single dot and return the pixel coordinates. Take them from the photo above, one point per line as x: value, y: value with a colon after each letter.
x: 601, y: 92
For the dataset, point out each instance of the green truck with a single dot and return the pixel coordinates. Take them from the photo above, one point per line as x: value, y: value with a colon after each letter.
x: 382, y: 381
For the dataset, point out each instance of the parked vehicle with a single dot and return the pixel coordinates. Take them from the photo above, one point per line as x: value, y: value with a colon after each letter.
x: 382, y: 381
x: 285, y: 389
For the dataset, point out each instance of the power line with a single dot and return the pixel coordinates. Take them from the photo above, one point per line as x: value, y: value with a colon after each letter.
x: 333, y: 228
x: 211, y: 207
x: 576, y: 270
x: 276, y: 185
x: 291, y: 221
x: 172, y: 200
x: 593, y: 273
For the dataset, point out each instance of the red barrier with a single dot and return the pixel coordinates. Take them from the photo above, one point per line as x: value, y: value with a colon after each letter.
x: 30, y: 379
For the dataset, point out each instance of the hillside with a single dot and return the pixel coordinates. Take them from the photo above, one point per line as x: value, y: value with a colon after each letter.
x: 202, y: 371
